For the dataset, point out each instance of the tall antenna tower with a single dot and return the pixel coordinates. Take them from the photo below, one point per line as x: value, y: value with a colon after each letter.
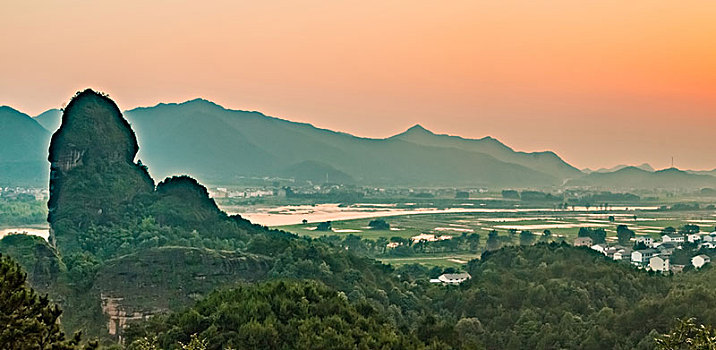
x: 672, y: 161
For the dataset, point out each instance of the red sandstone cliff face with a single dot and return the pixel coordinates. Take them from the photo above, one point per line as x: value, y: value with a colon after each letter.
x: 117, y: 317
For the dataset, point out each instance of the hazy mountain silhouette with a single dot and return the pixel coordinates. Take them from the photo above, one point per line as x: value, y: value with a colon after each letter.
x: 23, y: 145
x: 545, y: 162
x: 220, y: 146
x: 703, y: 172
x: 643, y: 166
x: 50, y: 119
x: 272, y: 146
x: 636, y: 178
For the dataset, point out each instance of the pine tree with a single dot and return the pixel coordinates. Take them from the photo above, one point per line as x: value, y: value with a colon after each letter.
x: 28, y: 321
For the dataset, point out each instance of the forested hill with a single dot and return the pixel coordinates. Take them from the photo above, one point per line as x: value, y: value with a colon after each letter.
x: 561, y: 297
x: 548, y: 296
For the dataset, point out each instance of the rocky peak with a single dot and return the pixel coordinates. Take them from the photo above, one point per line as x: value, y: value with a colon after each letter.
x: 92, y: 129
x: 93, y: 177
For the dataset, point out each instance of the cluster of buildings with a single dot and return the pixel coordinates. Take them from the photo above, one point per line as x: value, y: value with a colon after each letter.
x: 222, y: 192
x: 23, y: 192
x: 428, y: 192
x: 656, y: 255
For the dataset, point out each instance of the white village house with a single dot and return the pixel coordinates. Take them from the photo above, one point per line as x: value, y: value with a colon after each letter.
x: 672, y: 238
x: 708, y: 240
x: 710, y: 245
x: 452, y: 278
x: 583, y: 242
x: 648, y: 241
x: 602, y: 248
x: 658, y: 263
x: 425, y: 237
x: 709, y: 237
x: 693, y: 237
x: 700, y: 260
x: 622, y: 254
x: 641, y: 257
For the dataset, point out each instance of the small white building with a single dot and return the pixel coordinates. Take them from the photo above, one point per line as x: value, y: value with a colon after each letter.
x: 693, y: 237
x: 709, y: 237
x: 425, y: 237
x: 622, y: 254
x: 710, y: 245
x: 641, y: 257
x: 700, y: 260
x: 672, y: 238
x: 602, y: 248
x: 647, y: 240
x: 658, y: 263
x: 583, y: 242
x: 453, y: 278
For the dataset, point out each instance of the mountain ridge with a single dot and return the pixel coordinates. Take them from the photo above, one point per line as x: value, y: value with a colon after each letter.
x: 537, y: 160
x: 632, y: 177
x: 206, y: 102
x: 643, y: 166
x: 23, y: 143
x: 292, y: 143
x: 240, y: 143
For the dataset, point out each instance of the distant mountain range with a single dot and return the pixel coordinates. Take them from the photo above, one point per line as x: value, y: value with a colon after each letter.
x: 636, y: 178
x: 644, y: 166
x: 703, y: 172
x: 221, y: 146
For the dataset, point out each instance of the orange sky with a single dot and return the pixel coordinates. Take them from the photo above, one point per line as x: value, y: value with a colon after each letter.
x: 599, y: 82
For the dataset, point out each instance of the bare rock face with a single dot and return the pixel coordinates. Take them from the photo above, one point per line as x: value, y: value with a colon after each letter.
x: 117, y: 317
x: 93, y: 176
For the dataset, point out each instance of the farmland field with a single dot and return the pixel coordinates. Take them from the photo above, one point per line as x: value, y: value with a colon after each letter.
x: 563, y: 225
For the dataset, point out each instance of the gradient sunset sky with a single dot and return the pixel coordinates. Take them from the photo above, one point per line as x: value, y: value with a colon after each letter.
x: 599, y: 82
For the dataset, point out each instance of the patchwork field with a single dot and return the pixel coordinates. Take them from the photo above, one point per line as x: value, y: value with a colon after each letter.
x: 564, y: 225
